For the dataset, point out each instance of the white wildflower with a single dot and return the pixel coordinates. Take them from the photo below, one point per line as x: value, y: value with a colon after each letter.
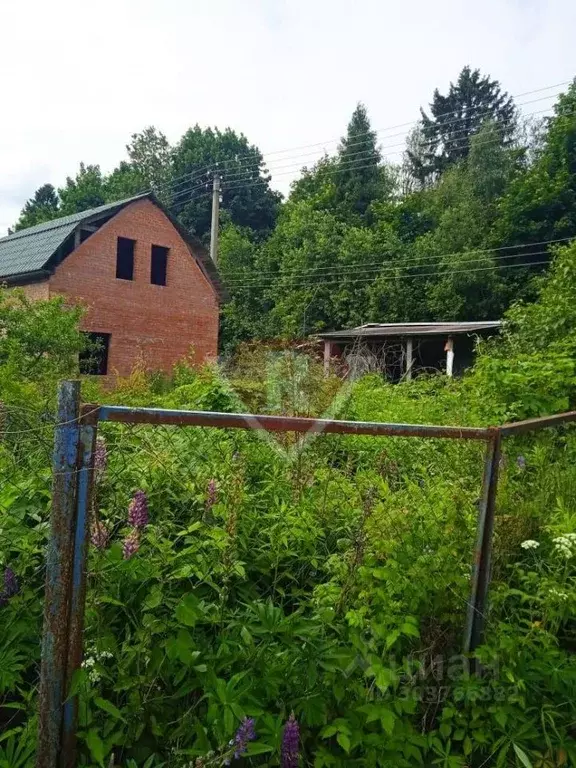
x: 558, y: 594
x: 530, y: 544
x: 565, y: 545
x: 89, y: 665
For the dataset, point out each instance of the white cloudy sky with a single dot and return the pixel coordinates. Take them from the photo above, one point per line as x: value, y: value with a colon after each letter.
x: 77, y: 78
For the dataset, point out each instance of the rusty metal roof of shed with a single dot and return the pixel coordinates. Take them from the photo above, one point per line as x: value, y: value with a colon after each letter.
x: 382, y: 330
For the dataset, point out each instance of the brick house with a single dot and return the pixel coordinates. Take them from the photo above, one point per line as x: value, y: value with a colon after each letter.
x: 150, y: 290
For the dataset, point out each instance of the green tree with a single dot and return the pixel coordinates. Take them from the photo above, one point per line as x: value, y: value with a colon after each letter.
x: 540, y: 203
x: 455, y: 118
x: 150, y: 156
x: 316, y: 270
x: 447, y: 272
x: 358, y: 176
x: 243, y: 315
x: 317, y: 184
x: 246, y: 192
x: 124, y: 181
x: 42, y: 207
x: 39, y: 344
x: 531, y: 370
x: 87, y: 190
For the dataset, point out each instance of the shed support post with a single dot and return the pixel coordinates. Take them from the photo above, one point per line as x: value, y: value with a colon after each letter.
x: 327, y: 356
x: 409, y: 358
x: 449, y: 349
x: 476, y: 619
x: 58, y: 575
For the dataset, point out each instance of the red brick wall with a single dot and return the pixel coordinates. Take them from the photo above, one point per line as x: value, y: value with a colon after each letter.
x: 36, y: 291
x: 154, y: 323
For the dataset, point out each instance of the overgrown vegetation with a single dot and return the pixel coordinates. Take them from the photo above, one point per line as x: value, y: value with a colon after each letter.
x: 269, y: 603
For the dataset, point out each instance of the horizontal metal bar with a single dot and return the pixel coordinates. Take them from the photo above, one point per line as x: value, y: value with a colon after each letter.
x: 530, y: 425
x: 284, y: 423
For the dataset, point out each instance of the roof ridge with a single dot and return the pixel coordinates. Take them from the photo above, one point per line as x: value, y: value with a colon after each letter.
x: 71, y: 218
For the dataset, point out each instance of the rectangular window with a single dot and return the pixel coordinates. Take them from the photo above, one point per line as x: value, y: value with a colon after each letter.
x: 94, y: 359
x: 125, y: 258
x: 159, y: 265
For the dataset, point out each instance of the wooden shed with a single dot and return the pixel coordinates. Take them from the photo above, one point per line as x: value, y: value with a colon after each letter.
x: 401, y: 350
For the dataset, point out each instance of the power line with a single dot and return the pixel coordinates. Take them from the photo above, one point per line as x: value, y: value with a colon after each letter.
x: 409, y: 277
x: 414, y: 122
x: 417, y: 260
x: 348, y: 165
x: 199, y: 172
x: 404, y: 134
x: 453, y: 144
x: 379, y: 269
x: 294, y: 167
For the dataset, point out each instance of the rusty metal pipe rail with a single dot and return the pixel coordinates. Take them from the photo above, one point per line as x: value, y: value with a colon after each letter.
x: 129, y: 415
x: 532, y: 425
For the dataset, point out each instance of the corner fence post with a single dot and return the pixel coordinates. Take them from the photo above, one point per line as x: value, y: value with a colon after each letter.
x: 88, y: 430
x: 58, y: 575
x: 476, y: 619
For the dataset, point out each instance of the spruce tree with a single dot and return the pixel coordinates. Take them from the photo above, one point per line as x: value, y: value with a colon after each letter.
x: 455, y: 118
x: 358, y: 175
x: 42, y: 207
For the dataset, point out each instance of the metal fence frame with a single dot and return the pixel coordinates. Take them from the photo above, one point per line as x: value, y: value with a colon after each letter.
x: 73, y: 465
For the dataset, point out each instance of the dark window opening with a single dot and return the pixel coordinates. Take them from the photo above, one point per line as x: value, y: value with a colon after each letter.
x: 94, y: 359
x: 125, y: 258
x: 159, y: 265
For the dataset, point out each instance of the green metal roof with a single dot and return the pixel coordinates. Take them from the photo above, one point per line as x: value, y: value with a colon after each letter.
x: 29, y: 250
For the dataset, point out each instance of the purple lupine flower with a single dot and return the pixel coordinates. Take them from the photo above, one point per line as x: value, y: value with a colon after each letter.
x: 99, y: 535
x: 100, y: 458
x: 212, y: 494
x: 11, y: 586
x: 244, y: 734
x: 291, y: 743
x: 138, y: 510
x: 131, y: 544
x: 521, y: 461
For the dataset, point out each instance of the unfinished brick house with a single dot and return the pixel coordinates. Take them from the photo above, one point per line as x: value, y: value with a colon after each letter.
x: 150, y: 290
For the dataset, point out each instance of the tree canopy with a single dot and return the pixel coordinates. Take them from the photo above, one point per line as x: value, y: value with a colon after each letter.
x: 456, y: 117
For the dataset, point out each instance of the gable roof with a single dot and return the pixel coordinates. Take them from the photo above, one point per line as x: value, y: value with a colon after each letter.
x: 26, y: 255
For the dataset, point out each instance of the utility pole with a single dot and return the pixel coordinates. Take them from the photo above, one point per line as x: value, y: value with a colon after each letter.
x: 215, y: 218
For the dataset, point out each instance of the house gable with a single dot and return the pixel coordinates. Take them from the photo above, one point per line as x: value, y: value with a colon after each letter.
x: 157, y: 324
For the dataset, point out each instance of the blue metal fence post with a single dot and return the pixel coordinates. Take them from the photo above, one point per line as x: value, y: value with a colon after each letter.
x: 58, y: 575
x: 88, y: 429
x: 476, y: 620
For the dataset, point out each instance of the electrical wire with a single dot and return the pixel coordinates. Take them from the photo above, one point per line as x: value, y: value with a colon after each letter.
x: 409, y: 277
x: 415, y: 122
x: 472, y: 250
x: 452, y: 145
x: 383, y: 268
x: 348, y: 165
x: 458, y: 119
x: 199, y: 172
x: 238, y: 179
x: 273, y: 166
